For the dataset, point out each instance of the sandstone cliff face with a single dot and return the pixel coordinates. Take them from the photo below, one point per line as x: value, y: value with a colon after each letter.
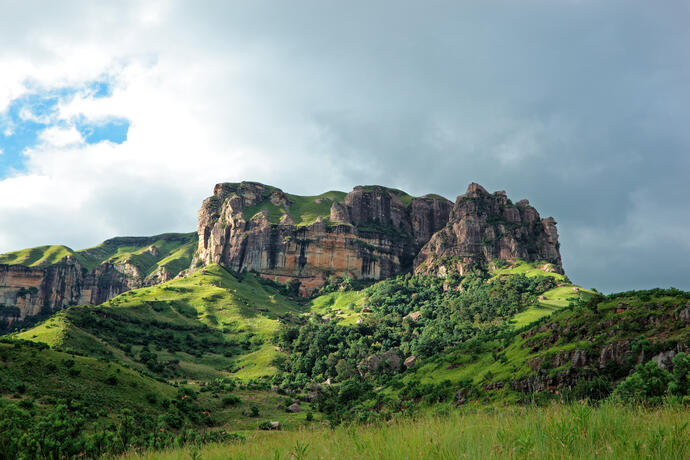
x: 371, y: 234
x: 484, y: 227
x: 115, y: 266
x: 28, y: 291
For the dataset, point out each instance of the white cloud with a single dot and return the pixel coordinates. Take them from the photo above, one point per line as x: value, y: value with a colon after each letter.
x: 57, y: 136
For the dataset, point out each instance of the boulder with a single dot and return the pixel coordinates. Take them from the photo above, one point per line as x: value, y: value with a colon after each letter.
x: 664, y: 359
x: 274, y: 425
x: 414, y: 316
x: 614, y: 352
x: 579, y: 359
x: 684, y: 315
x: 294, y: 407
x: 387, y: 362
x: 409, y: 361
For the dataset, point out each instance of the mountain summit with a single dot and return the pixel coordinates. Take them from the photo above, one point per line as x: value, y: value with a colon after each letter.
x: 373, y: 232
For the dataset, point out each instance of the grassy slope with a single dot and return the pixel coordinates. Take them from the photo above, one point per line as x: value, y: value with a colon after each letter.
x: 45, y: 376
x: 304, y: 210
x: 341, y: 306
x: 210, y: 305
x: 175, y: 253
x: 564, y: 331
x: 32, y: 257
x: 515, y: 432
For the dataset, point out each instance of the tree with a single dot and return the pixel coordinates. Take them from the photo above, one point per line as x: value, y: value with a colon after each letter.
x: 648, y: 381
x: 681, y: 370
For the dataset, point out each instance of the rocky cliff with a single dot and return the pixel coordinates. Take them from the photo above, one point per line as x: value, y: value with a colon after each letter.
x: 485, y: 227
x: 45, y: 279
x: 371, y: 233
x: 28, y: 291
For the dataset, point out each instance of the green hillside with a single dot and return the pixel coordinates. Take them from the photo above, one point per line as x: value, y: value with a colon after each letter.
x: 36, y: 376
x: 234, y: 351
x: 204, y: 326
x: 173, y: 251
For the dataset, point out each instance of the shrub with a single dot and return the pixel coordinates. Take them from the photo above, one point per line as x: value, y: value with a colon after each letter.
x: 647, y: 382
x: 265, y: 425
x: 231, y: 400
x: 681, y: 371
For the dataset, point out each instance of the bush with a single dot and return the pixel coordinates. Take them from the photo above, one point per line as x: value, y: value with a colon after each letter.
x: 679, y: 385
x: 648, y: 382
x: 231, y: 400
x: 265, y: 425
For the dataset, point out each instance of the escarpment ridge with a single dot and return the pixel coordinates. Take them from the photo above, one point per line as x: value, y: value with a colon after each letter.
x: 372, y: 232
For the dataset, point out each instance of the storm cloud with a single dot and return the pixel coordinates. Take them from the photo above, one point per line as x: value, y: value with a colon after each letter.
x: 582, y: 107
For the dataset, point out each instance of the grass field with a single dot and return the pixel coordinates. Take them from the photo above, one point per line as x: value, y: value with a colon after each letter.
x: 342, y: 306
x: 554, y: 300
x: 555, y: 432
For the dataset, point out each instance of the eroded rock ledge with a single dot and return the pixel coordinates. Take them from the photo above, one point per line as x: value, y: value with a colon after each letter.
x: 372, y: 232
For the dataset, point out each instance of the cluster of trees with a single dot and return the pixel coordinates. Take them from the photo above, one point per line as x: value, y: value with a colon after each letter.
x: 650, y: 383
x: 451, y: 311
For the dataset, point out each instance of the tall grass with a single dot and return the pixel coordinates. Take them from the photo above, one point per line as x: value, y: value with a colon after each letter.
x: 577, y: 431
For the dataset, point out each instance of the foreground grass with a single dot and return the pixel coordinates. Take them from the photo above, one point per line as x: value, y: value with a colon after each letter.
x: 577, y: 431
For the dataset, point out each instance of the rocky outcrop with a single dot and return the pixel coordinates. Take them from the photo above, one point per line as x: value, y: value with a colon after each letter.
x: 89, y: 276
x: 28, y: 291
x: 386, y: 362
x: 484, y: 227
x: 373, y: 233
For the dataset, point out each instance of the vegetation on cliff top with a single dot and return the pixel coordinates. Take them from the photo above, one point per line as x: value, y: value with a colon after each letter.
x: 173, y: 251
x: 303, y: 210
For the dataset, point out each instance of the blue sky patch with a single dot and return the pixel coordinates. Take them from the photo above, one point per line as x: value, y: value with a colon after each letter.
x: 27, y: 116
x: 101, y: 88
x: 113, y: 130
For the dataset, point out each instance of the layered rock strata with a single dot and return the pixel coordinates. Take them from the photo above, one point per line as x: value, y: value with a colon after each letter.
x: 485, y: 227
x: 28, y: 291
x: 89, y: 276
x: 373, y: 233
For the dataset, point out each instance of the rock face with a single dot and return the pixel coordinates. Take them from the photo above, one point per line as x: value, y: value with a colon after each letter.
x: 28, y: 291
x: 89, y: 276
x: 370, y: 234
x: 386, y: 362
x: 484, y: 227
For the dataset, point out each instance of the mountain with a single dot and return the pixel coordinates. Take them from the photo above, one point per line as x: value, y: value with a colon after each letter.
x: 287, y: 311
x: 370, y: 233
x: 47, y: 278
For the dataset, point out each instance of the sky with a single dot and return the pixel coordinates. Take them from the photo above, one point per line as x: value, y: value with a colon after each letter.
x: 117, y: 118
